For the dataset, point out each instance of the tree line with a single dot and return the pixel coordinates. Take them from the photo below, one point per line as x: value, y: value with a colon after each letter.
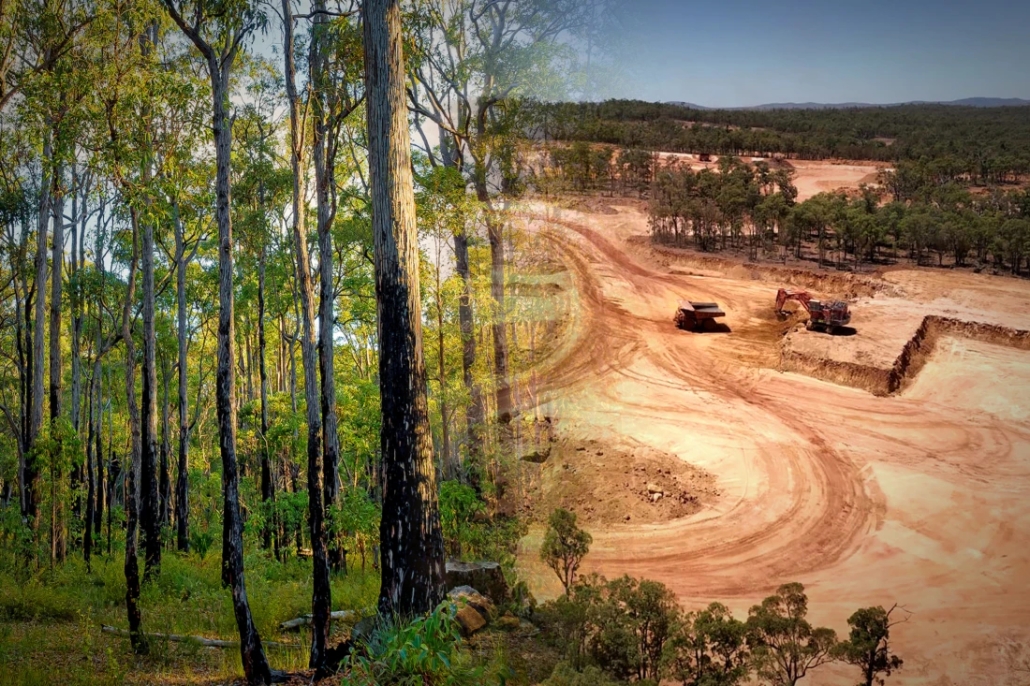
x: 928, y: 223
x: 925, y: 211
x: 989, y: 145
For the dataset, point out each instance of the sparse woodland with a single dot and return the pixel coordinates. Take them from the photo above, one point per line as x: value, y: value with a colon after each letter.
x: 928, y: 211
x: 259, y: 358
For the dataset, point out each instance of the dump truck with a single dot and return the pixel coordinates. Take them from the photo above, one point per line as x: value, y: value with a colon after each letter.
x: 693, y: 315
x: 828, y: 316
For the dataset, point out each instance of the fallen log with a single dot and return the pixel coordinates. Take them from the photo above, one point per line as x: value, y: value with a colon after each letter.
x: 175, y: 638
x: 308, y: 619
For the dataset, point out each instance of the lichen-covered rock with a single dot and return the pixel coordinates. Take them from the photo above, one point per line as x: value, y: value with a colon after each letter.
x: 470, y: 596
x: 474, y: 609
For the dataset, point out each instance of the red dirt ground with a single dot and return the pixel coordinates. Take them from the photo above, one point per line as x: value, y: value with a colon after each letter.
x: 918, y: 497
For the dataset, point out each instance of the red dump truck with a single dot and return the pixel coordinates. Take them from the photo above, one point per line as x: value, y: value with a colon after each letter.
x: 693, y: 315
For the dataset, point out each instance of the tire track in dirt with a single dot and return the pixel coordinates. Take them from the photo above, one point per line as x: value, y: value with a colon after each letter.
x: 828, y: 502
x: 918, y: 497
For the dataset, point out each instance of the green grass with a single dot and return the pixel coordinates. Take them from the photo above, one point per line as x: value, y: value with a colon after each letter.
x: 50, y: 620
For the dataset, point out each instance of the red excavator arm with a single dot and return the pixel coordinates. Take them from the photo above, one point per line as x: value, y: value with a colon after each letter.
x: 783, y: 295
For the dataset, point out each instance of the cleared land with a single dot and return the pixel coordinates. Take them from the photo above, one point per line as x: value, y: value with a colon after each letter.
x: 812, y: 176
x: 917, y: 495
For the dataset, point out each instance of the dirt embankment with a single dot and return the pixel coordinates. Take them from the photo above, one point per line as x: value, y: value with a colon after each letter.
x: 882, y: 381
x: 919, y: 348
x: 843, y: 284
x: 867, y: 378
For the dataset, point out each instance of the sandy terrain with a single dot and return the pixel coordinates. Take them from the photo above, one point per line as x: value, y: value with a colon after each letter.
x: 811, y: 176
x: 918, y: 496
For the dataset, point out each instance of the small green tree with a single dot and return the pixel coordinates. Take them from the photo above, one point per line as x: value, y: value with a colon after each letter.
x: 868, y: 645
x: 786, y: 645
x: 565, y: 546
x: 710, y: 649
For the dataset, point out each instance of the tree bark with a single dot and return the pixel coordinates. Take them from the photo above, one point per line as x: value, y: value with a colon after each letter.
x: 58, y: 544
x: 411, y: 553
x: 76, y: 337
x: 91, y: 491
x: 219, y: 67
x: 495, y: 234
x: 150, y: 516
x: 448, y: 466
x: 324, y: 178
x: 255, y: 665
x: 182, y: 502
x: 30, y: 479
x: 267, y: 485
x: 131, y: 567
x: 101, y: 483
x: 466, y: 320
x: 321, y: 602
x: 165, y: 481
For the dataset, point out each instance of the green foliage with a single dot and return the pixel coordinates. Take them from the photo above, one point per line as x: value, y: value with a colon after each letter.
x: 868, y: 645
x: 357, y: 519
x: 623, y: 626
x: 713, y: 208
x: 201, y: 541
x: 990, y: 142
x: 565, y: 674
x: 426, y: 651
x: 459, y: 505
x: 33, y: 601
x: 564, y: 547
x: 785, y: 645
x: 710, y: 649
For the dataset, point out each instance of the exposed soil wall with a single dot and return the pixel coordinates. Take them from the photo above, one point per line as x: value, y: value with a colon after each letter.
x: 841, y: 284
x: 913, y: 357
x: 872, y: 379
x: 919, y: 348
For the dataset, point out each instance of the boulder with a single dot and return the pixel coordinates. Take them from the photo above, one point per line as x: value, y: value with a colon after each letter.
x: 474, y: 609
x: 485, y: 577
x: 469, y: 619
x: 466, y: 595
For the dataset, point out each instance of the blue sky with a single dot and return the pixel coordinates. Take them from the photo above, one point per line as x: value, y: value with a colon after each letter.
x: 743, y: 52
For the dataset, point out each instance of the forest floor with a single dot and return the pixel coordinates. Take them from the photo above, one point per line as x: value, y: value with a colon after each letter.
x: 50, y: 622
x: 806, y: 464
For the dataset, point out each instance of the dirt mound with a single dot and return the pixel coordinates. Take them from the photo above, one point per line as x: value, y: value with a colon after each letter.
x: 840, y: 284
x: 603, y: 484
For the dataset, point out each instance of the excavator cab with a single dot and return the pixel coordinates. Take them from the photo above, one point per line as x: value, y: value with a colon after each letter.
x: 828, y: 316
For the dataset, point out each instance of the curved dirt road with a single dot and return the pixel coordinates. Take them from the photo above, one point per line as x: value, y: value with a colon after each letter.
x: 919, y: 499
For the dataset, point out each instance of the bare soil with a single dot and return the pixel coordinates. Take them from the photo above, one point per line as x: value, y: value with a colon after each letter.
x: 812, y: 176
x: 605, y: 483
x: 917, y: 494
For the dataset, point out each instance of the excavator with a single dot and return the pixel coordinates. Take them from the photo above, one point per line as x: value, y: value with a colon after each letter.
x: 828, y: 316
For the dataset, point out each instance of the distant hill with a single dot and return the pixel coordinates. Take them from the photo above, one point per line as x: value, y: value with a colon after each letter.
x: 965, y: 102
